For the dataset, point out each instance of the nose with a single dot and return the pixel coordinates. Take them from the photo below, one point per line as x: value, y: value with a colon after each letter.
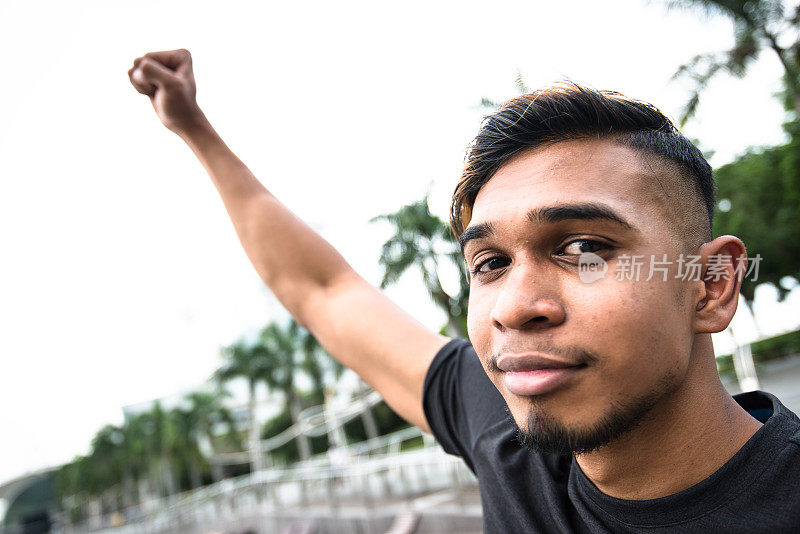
x: 523, y: 303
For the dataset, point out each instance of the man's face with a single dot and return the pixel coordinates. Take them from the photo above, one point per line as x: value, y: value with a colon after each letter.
x: 627, y: 341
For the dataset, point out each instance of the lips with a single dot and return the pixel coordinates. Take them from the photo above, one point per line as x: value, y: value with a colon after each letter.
x: 536, y: 374
x: 531, y: 362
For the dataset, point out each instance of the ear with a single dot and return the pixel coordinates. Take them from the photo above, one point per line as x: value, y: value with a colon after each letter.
x: 724, y: 262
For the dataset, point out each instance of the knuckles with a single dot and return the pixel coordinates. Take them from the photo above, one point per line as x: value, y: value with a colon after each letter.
x: 148, y: 68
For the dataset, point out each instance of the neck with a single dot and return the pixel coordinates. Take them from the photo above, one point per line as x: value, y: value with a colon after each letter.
x: 688, y: 436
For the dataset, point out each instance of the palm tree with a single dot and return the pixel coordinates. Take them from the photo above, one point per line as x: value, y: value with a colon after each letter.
x: 205, y: 412
x: 316, y: 363
x: 253, y: 364
x: 758, y: 25
x: 105, y: 462
x: 100, y: 480
x: 185, y: 447
x: 150, y: 454
x: 76, y: 483
x: 165, y: 447
x: 324, y: 371
x: 142, y: 452
x: 519, y: 84
x: 280, y: 346
x: 422, y: 240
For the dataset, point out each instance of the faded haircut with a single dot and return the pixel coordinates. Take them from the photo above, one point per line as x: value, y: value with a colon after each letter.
x: 568, y: 111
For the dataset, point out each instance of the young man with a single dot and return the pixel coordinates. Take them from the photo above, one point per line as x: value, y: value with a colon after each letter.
x: 589, y: 399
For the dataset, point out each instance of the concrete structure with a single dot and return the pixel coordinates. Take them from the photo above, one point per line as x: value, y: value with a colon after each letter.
x: 28, y: 503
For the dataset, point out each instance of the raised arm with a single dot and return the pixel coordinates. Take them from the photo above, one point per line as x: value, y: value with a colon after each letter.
x: 353, y: 320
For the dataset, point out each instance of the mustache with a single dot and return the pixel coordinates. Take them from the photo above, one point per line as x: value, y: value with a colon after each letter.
x: 577, y: 355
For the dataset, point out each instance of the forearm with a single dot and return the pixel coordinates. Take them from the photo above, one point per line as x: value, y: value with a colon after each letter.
x: 290, y: 257
x: 352, y: 319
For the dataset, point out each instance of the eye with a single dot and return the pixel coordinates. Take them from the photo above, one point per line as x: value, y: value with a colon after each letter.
x: 580, y: 246
x: 490, y: 264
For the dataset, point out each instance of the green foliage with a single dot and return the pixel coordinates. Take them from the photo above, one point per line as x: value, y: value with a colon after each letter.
x: 320, y: 367
x: 777, y: 347
x: 288, y: 452
x: 244, y: 361
x: 386, y: 419
x: 280, y: 355
x: 763, y: 185
x: 763, y: 351
x: 280, y: 423
x: 757, y: 25
x: 421, y: 240
x: 413, y: 444
x: 763, y: 188
x: 158, y: 446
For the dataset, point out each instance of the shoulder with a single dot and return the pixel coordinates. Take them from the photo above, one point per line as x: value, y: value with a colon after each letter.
x: 459, y: 400
x: 774, y: 455
x: 456, y: 352
x: 458, y: 368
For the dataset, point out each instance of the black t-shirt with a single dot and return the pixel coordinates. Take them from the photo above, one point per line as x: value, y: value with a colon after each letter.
x: 757, y: 490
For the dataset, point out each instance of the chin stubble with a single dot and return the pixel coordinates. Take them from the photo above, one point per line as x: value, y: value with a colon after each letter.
x: 545, y: 434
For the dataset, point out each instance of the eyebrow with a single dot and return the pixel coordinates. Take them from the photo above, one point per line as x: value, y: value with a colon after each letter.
x: 588, y: 211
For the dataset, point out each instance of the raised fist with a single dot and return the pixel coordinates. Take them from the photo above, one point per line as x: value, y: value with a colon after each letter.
x: 167, y: 78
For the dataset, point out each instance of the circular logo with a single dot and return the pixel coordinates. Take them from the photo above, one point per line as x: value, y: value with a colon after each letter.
x: 591, y: 267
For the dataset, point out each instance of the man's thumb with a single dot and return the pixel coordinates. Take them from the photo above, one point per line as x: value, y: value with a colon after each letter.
x: 152, y: 73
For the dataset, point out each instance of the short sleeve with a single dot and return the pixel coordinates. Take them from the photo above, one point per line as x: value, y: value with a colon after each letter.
x: 459, y: 400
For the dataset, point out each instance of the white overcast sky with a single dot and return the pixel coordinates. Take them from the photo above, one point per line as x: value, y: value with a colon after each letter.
x: 121, y: 275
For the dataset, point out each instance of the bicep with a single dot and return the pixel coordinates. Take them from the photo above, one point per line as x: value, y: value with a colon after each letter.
x: 390, y: 350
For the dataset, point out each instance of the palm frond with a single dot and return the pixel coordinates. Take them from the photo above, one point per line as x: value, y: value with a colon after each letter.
x: 489, y: 103
x: 520, y: 84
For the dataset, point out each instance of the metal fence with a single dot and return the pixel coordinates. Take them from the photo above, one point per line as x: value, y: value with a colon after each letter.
x: 371, y: 479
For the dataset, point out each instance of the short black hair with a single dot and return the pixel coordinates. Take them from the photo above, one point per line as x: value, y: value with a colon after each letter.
x: 569, y: 111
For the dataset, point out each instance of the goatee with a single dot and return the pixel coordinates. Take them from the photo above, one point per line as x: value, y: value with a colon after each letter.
x: 546, y: 434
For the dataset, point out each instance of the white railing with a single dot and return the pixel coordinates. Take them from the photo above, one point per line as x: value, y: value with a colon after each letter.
x: 359, y: 486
